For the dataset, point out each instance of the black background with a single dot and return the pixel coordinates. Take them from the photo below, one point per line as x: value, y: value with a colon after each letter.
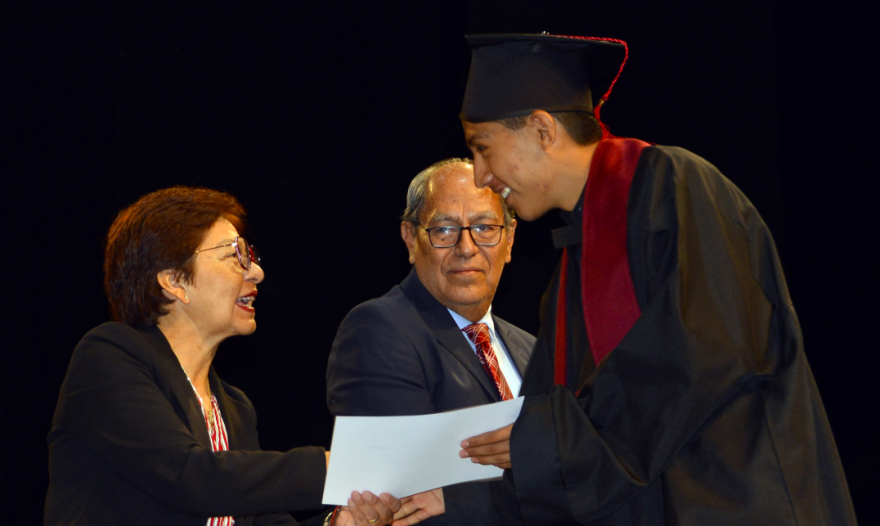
x: 317, y: 114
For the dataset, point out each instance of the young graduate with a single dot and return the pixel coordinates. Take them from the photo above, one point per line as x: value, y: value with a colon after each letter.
x: 669, y: 384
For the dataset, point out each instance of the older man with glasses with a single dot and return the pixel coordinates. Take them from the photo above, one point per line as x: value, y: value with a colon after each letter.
x: 431, y: 343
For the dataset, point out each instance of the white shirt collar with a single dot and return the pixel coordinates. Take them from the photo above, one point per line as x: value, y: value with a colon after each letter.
x: 464, y: 322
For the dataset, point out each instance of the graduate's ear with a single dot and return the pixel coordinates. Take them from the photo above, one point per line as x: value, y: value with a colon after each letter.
x: 545, y: 128
x: 172, y: 285
x: 511, y: 230
x: 408, y: 233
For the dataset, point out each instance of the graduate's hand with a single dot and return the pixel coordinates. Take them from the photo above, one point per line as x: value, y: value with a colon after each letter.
x: 366, y: 509
x: 419, y: 507
x: 489, y: 448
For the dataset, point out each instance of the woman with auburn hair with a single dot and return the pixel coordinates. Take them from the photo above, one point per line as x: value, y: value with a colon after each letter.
x: 145, y: 432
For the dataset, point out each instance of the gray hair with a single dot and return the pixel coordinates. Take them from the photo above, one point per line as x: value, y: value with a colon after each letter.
x: 418, y: 192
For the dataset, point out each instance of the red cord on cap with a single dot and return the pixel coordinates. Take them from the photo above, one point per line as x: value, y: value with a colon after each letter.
x: 606, y: 133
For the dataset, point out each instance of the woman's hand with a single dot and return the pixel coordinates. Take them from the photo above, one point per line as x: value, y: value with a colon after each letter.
x: 489, y: 448
x: 368, y: 510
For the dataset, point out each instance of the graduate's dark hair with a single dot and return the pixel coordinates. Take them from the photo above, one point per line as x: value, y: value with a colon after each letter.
x: 583, y: 128
x: 161, y: 231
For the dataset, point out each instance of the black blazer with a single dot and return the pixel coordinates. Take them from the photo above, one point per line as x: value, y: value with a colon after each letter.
x: 403, y: 354
x: 129, y: 444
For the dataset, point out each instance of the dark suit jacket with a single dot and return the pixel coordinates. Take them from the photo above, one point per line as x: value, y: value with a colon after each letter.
x: 403, y: 354
x: 129, y: 444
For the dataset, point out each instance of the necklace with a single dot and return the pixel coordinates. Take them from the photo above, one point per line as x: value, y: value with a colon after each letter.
x: 210, y: 415
x: 207, y: 412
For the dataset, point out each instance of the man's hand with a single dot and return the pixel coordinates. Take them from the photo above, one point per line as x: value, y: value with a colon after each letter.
x: 489, y: 448
x: 367, y: 509
x: 419, y: 507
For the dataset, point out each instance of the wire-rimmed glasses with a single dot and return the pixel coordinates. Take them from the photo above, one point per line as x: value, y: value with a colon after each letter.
x: 449, y: 236
x: 245, y: 253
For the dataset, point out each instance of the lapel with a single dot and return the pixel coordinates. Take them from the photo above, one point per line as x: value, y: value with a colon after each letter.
x: 608, y: 295
x: 232, y: 411
x: 179, y: 390
x: 515, y: 348
x: 448, y: 335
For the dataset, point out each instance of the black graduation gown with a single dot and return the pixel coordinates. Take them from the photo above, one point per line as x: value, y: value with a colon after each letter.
x: 706, y: 412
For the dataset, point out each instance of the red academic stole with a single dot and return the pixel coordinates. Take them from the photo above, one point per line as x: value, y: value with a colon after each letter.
x: 607, y: 294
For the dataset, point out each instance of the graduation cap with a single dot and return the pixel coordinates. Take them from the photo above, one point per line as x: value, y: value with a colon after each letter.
x: 514, y: 74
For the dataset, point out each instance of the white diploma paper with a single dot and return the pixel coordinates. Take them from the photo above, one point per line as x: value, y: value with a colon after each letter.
x: 404, y: 455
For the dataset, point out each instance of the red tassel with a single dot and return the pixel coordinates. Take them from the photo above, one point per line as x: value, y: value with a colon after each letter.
x: 606, y: 133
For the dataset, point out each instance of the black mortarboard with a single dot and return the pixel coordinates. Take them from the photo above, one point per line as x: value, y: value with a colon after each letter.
x: 513, y: 75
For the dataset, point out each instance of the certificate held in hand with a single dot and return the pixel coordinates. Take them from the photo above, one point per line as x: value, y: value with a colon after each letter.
x: 404, y: 455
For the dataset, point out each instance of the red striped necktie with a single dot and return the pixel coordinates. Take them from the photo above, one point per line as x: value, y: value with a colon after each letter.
x: 479, y: 336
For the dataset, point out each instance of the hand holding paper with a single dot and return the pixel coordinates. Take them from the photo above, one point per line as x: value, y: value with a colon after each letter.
x: 489, y: 448
x: 420, y: 507
x: 369, y: 510
x: 405, y: 455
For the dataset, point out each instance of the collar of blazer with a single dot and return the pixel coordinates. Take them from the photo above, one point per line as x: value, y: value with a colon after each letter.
x: 179, y: 388
x: 446, y: 331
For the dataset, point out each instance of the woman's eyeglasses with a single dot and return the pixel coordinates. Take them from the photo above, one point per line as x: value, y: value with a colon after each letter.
x: 246, y: 254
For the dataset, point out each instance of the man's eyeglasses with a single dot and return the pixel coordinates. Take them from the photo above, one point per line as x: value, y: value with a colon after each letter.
x: 448, y: 236
x: 246, y: 254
